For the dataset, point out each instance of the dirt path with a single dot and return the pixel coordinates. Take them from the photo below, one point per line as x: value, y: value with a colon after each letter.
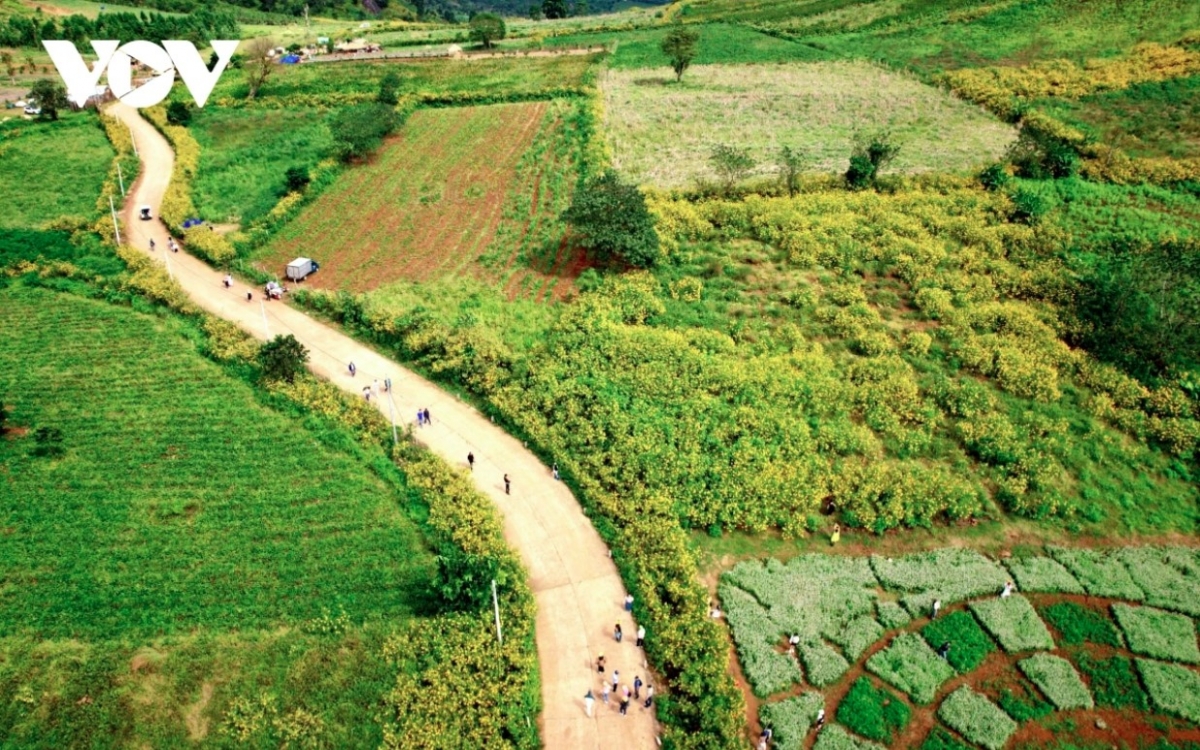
x: 579, y: 594
x: 447, y: 55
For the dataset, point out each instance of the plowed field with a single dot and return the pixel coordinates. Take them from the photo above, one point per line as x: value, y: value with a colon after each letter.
x: 428, y: 204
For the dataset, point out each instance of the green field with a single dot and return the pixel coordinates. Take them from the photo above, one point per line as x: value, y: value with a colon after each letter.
x: 207, y: 543
x: 245, y: 154
x: 719, y: 44
x: 51, y: 169
x: 496, y: 77
x: 662, y: 133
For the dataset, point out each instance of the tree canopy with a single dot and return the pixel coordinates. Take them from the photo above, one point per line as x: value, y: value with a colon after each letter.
x: 680, y: 46
x: 359, y: 130
x: 487, y: 28
x: 610, y: 219
x: 50, y: 96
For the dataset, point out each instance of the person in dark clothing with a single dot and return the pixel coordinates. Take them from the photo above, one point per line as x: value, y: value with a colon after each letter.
x: 471, y: 461
x: 507, y: 485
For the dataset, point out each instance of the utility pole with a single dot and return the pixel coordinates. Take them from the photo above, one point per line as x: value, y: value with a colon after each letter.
x: 116, y: 227
x: 496, y: 605
x: 121, y: 179
x: 391, y: 409
x: 307, y: 26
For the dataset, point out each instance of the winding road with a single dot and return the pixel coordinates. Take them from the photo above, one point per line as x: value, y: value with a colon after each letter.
x: 578, y: 591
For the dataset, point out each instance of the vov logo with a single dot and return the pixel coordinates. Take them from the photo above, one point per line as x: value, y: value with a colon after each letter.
x: 117, y: 59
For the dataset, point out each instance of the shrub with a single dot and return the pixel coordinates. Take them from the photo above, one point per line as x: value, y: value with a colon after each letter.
x: 995, y: 177
x: 1023, y: 704
x: 1013, y: 622
x: 969, y: 645
x: 47, y: 443
x: 857, y: 636
x: 1043, y: 574
x: 791, y: 718
x: 1029, y: 206
x: 1101, y: 573
x: 295, y: 179
x: 873, y: 712
x: 1077, y: 624
x: 1173, y: 688
x: 910, y: 665
x: 282, y: 358
x: 870, y: 156
x: 179, y: 113
x: 360, y: 129
x: 949, y: 574
x: 940, y: 739
x: 833, y: 737
x: 1113, y: 682
x: 977, y: 718
x: 1157, y: 633
x: 1058, y: 680
x: 822, y: 665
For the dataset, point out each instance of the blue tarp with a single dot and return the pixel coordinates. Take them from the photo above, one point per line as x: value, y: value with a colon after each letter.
x: 289, y: 59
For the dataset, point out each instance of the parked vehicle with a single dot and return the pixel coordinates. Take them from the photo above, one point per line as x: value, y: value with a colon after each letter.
x: 144, y: 213
x: 32, y: 108
x: 300, y: 268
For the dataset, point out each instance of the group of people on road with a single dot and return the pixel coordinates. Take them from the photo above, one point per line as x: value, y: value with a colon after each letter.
x: 611, y: 686
x: 171, y: 244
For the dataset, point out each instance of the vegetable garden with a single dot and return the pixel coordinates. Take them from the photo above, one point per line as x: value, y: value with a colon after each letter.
x: 993, y: 671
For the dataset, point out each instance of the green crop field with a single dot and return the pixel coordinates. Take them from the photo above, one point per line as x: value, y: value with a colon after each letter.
x: 663, y: 133
x: 187, y: 528
x: 719, y: 44
x: 51, y: 170
x: 245, y: 154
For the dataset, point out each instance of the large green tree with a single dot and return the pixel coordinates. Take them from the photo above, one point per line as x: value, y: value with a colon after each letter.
x: 359, y: 130
x: 487, y: 28
x: 610, y: 219
x: 680, y: 46
x: 50, y: 96
x: 554, y: 8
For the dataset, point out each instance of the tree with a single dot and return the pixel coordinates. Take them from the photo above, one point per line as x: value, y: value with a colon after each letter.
x: 791, y: 165
x: 679, y: 45
x: 258, y: 64
x: 610, y: 219
x: 10, y: 69
x: 487, y: 28
x: 389, y: 90
x: 1140, y: 304
x: 870, y: 156
x: 554, y: 8
x: 535, y: 12
x: 50, y: 96
x: 179, y: 113
x: 359, y: 130
x: 1040, y: 155
x: 732, y: 164
x: 295, y: 179
x: 464, y: 581
x: 282, y: 358
x: 580, y: 8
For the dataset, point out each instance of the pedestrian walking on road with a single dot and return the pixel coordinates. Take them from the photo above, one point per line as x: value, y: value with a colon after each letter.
x: 151, y: 244
x: 249, y: 296
x: 637, y: 687
x: 471, y: 461
x: 937, y: 606
x: 228, y: 281
x: 628, y: 597
x: 604, y: 693
x: 375, y: 387
x: 588, y: 701
x: 367, y: 393
x: 554, y: 472
x: 352, y: 369
x: 820, y: 717
x: 420, y: 417
x: 616, y: 679
x: 649, y: 697
x: 171, y: 244
x: 641, y: 636
x: 617, y: 634
x: 428, y: 421
x: 836, y: 536
x: 600, y: 663
x: 625, y: 705
x: 507, y: 485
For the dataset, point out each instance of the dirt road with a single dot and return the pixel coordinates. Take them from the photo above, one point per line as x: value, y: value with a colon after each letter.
x: 579, y: 594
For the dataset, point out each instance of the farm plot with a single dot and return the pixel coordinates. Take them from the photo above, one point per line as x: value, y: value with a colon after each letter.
x: 428, y: 205
x: 663, y: 133
x: 188, y: 548
x: 51, y: 169
x: 969, y: 668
